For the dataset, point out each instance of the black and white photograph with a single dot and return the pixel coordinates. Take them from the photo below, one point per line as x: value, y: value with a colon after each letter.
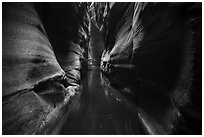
x: 101, y: 68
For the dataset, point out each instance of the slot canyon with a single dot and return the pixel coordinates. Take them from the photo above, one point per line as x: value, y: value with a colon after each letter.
x: 102, y: 68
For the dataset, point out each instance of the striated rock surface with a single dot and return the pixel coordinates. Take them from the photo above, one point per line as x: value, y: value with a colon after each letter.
x: 152, y: 55
x: 42, y: 55
x: 152, y: 51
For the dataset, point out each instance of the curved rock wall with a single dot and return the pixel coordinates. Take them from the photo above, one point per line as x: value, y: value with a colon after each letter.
x: 44, y: 45
x: 150, y: 53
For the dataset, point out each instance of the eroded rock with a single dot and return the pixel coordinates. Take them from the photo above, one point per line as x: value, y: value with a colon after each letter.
x: 39, y: 83
x: 155, y: 42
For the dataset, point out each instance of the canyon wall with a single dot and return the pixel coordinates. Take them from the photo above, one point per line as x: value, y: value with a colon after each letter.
x: 152, y: 55
x: 153, y: 52
x: 44, y: 51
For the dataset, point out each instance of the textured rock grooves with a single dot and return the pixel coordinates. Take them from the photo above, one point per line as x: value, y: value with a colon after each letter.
x: 152, y: 55
x: 41, y: 65
x: 152, y: 50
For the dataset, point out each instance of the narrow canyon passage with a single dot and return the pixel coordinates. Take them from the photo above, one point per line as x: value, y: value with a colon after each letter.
x: 101, y: 68
x: 100, y: 109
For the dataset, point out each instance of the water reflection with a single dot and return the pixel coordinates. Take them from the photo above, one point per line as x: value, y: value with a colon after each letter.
x: 101, y: 109
x: 104, y: 82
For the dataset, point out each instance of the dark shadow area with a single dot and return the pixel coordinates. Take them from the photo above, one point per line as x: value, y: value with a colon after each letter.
x: 102, y: 68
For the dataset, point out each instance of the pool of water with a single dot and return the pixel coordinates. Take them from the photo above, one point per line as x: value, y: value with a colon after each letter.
x: 101, y: 109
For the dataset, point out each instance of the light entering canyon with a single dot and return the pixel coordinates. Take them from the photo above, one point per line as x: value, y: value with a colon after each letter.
x: 105, y: 68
